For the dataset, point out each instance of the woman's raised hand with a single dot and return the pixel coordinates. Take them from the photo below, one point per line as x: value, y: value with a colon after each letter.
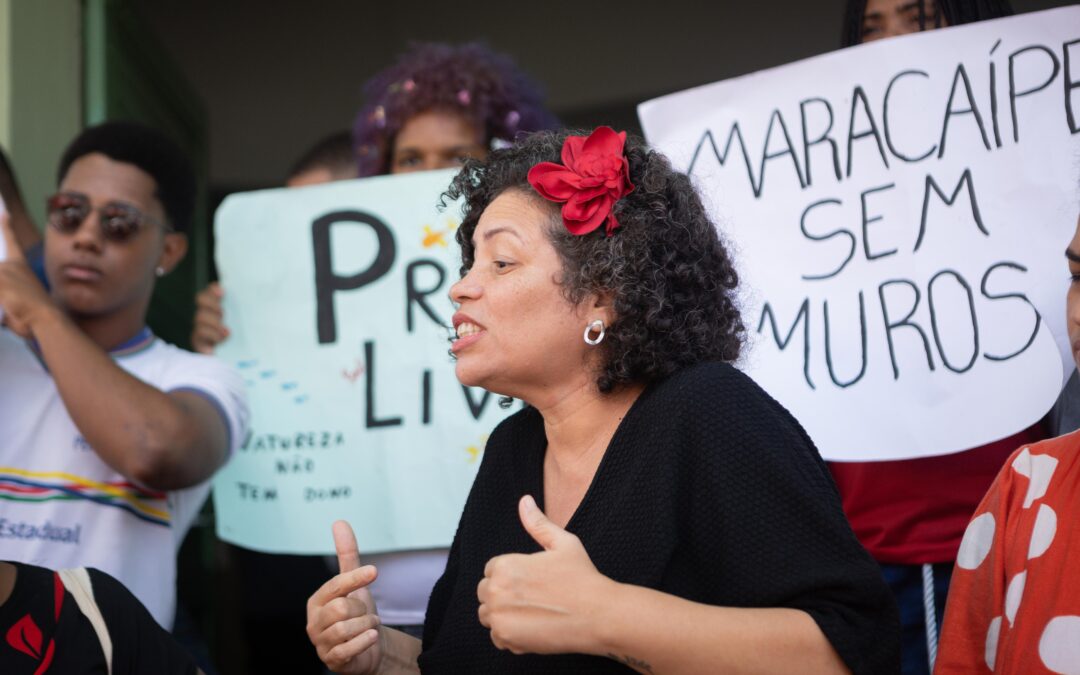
x: 546, y: 602
x: 341, y: 619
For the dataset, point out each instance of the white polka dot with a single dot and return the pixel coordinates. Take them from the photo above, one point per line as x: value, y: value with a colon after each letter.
x: 1039, y: 469
x: 992, y: 636
x: 977, y: 541
x: 1042, y: 535
x: 1013, y: 595
x: 1059, y: 646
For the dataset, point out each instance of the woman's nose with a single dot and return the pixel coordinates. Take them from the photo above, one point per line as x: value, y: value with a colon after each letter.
x: 464, y: 289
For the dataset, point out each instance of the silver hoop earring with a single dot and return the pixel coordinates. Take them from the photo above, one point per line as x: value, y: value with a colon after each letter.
x: 597, y: 325
x: 160, y: 272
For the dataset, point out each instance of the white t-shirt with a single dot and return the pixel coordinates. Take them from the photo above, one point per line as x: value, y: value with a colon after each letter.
x: 61, y: 506
x: 404, y: 585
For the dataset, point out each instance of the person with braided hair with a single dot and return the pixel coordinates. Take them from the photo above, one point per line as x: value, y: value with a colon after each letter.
x: 866, y: 20
x: 911, y: 514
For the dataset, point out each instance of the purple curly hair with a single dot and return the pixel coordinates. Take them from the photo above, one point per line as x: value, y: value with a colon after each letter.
x: 486, y: 87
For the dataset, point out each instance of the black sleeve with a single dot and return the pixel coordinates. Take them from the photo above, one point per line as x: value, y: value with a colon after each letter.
x: 782, y: 534
x: 140, y: 645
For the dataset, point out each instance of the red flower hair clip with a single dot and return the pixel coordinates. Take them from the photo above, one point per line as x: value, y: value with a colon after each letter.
x: 593, y: 176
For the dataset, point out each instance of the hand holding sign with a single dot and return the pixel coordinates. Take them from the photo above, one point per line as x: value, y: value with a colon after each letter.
x: 543, y: 603
x: 210, y: 329
x: 3, y: 240
x: 22, y: 296
x: 3, y: 247
x: 341, y: 619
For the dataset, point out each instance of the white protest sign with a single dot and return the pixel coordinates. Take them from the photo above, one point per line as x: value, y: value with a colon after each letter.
x: 898, y: 213
x: 336, y: 297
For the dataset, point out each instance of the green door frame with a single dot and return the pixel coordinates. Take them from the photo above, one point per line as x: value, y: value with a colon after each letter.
x: 128, y: 76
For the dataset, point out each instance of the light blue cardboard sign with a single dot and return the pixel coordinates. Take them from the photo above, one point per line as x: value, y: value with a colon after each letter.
x: 336, y: 299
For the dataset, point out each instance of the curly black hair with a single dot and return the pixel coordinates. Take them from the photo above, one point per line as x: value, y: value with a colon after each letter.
x: 149, y: 150
x: 671, y: 280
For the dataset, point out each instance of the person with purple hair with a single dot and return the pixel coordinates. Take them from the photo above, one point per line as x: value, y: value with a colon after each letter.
x: 436, y: 107
x: 441, y: 104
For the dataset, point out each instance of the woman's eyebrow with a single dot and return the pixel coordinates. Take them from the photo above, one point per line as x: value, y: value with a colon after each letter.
x: 496, y: 230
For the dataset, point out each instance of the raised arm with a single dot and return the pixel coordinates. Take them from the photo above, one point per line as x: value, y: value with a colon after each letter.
x: 209, y: 330
x: 22, y: 225
x: 164, y: 441
x: 26, y: 235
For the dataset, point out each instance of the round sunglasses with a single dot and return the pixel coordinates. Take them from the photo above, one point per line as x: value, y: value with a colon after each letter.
x: 118, y: 221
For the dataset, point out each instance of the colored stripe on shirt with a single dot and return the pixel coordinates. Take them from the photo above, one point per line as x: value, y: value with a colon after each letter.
x: 39, y: 486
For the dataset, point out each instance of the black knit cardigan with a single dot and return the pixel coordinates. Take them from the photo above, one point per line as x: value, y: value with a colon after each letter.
x: 711, y: 491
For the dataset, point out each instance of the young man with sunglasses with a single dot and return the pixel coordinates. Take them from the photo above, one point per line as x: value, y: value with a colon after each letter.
x: 108, y: 436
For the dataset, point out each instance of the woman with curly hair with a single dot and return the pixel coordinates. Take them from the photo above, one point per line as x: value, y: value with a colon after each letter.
x: 868, y: 20
x: 651, y: 508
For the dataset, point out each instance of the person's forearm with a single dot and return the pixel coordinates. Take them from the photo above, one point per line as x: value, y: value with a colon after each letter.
x: 400, y: 652
x: 23, y: 227
x: 658, y: 633
x: 135, y: 428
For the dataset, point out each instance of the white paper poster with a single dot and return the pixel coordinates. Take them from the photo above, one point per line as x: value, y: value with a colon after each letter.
x: 898, y: 212
x: 337, y: 300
